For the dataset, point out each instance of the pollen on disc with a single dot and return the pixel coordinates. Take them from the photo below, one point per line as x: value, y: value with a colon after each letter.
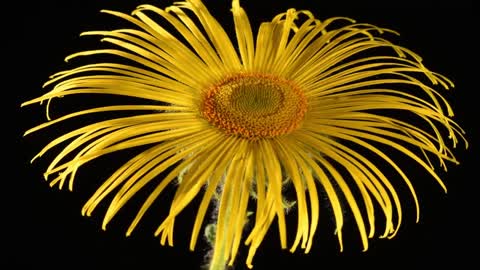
x: 254, y: 106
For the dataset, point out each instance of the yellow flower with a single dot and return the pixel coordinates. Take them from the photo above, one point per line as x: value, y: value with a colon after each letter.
x: 306, y: 105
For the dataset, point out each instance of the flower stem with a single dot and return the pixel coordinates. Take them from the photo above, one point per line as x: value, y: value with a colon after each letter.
x: 218, y: 260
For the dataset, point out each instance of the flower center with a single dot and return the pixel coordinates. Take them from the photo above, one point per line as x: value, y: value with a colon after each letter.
x: 254, y: 106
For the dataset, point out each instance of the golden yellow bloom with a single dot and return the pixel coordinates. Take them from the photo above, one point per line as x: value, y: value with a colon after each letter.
x: 304, y: 105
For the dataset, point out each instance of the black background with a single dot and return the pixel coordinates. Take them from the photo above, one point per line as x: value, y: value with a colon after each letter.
x: 44, y: 227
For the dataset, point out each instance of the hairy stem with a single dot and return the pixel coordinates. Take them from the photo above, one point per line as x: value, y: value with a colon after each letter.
x: 219, y: 260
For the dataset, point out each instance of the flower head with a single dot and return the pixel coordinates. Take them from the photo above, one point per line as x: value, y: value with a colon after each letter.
x: 301, y: 105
